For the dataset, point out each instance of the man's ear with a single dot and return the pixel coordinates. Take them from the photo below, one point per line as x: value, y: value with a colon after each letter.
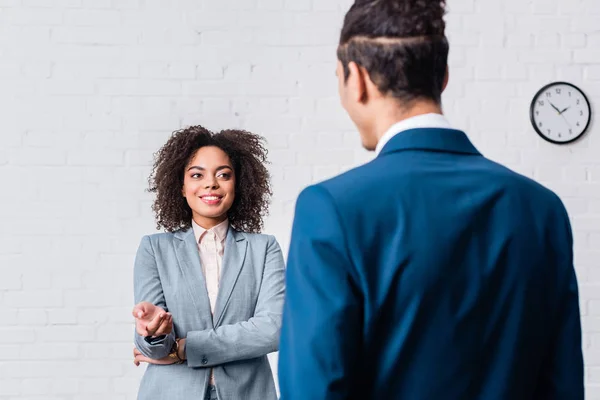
x: 356, y: 82
x: 371, y: 89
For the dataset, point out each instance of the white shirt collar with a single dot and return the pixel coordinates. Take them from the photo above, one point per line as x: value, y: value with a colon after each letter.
x: 219, y: 230
x: 420, y: 121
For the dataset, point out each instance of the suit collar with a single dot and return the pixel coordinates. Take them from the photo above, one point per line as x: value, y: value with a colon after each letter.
x: 189, y: 263
x: 188, y: 258
x: 430, y: 139
x: 431, y: 120
x: 183, y: 234
x: 233, y: 261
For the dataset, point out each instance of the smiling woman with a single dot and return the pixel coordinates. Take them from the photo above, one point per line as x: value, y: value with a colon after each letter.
x: 209, y: 291
x: 246, y: 158
x: 209, y: 186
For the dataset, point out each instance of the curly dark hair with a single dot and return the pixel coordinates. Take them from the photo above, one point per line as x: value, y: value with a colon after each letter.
x: 248, y: 156
x: 401, y: 43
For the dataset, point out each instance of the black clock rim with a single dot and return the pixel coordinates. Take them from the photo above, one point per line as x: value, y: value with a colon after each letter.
x: 583, y: 132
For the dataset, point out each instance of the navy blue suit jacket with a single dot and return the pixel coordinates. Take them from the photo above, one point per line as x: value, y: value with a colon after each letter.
x: 430, y: 273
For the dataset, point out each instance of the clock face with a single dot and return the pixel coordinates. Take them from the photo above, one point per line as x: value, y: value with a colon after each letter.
x: 560, y: 113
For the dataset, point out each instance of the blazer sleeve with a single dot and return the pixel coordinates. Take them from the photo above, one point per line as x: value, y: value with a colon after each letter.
x: 562, y: 372
x: 249, y: 339
x: 147, y: 287
x: 322, y: 320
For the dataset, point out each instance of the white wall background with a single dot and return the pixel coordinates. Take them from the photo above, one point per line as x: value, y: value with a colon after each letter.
x: 90, y: 88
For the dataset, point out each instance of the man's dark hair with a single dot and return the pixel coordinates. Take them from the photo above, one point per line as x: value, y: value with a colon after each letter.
x: 402, y: 45
x: 248, y: 155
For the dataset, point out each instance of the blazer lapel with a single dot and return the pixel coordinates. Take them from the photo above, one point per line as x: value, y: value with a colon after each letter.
x: 233, y: 260
x: 188, y: 259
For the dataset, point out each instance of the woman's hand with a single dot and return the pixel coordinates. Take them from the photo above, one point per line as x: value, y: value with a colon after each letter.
x: 151, y: 320
x: 140, y: 358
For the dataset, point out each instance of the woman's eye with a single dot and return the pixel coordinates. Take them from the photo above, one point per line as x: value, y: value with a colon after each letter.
x: 224, y: 175
x: 196, y: 176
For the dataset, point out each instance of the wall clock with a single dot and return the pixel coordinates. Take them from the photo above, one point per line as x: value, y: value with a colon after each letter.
x: 560, y: 113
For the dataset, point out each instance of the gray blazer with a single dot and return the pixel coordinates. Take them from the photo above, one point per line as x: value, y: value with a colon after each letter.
x: 244, y: 329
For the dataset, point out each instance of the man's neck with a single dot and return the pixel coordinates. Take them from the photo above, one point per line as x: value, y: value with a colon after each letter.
x: 394, y: 114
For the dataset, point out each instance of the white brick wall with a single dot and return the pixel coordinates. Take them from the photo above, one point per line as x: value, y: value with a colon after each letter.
x: 90, y: 88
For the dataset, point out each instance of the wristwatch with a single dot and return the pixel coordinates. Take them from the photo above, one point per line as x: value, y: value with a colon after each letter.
x: 174, y: 354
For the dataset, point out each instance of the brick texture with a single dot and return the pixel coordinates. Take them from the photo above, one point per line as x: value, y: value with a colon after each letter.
x: 90, y: 88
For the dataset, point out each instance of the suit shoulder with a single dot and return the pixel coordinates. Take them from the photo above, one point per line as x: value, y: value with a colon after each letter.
x: 158, y: 239
x: 523, y: 182
x: 546, y: 200
x: 338, y: 186
x: 160, y: 236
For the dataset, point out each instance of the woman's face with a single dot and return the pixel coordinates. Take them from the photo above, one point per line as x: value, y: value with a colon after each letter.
x: 209, y: 186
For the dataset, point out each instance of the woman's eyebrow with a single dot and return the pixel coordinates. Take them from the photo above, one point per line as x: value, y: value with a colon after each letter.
x: 204, y: 169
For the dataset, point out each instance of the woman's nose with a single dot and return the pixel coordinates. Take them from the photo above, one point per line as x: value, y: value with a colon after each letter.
x: 212, y: 184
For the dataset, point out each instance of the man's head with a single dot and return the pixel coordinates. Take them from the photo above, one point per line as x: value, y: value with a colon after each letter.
x: 392, y: 59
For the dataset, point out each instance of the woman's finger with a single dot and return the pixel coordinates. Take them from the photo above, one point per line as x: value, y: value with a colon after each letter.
x: 140, y: 359
x: 139, y: 310
x: 166, y: 327
x: 162, y: 361
x: 140, y: 327
x: 154, y: 324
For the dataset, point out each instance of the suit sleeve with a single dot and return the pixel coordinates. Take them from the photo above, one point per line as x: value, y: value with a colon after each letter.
x: 147, y: 287
x: 562, y: 374
x: 322, y: 321
x: 256, y: 337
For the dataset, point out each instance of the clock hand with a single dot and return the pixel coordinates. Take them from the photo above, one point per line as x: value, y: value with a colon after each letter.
x: 560, y: 112
x: 553, y: 106
x: 570, y: 127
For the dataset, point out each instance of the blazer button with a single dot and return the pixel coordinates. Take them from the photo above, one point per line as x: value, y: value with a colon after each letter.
x: 204, y: 361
